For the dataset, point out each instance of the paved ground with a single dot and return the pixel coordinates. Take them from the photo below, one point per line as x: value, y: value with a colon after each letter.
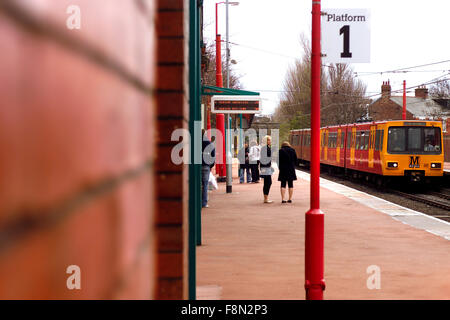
x: 252, y: 250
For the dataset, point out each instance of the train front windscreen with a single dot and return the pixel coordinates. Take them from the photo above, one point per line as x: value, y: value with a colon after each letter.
x: 416, y: 140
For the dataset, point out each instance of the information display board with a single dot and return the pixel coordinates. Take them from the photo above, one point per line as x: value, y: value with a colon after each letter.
x: 236, y: 104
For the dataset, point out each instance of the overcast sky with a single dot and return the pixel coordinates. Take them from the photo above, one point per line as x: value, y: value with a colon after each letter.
x: 266, y: 41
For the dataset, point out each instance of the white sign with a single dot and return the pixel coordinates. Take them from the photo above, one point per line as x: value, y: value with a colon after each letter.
x: 346, y: 35
x: 236, y: 104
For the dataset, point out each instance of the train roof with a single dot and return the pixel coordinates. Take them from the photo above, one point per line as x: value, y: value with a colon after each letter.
x: 372, y: 123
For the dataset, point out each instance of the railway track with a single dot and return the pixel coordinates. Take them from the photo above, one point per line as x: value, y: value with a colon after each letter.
x: 433, y: 203
x: 442, y: 201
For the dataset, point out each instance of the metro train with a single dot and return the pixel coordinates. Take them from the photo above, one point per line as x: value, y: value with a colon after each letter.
x: 380, y: 151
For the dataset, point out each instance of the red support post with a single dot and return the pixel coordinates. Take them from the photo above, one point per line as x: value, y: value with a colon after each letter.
x: 220, y: 117
x: 208, y: 121
x: 314, y: 218
x: 404, y: 100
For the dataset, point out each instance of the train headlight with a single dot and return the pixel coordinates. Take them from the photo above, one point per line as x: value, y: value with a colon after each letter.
x: 436, y: 165
x: 392, y: 165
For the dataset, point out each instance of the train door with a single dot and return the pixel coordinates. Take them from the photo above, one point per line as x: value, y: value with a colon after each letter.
x: 371, y: 145
x: 338, y: 146
x: 342, y: 151
x: 324, y: 144
x: 352, y: 146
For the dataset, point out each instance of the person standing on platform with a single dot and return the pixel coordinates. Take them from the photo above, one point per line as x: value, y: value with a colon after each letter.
x: 254, y: 156
x: 208, y: 160
x: 287, y: 159
x: 244, y: 165
x: 266, y: 167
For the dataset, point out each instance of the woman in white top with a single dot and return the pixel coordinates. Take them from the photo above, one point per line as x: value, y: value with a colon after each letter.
x: 254, y: 155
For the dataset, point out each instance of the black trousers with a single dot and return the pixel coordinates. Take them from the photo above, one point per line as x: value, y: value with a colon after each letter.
x: 289, y: 182
x: 267, y: 184
x: 255, y: 172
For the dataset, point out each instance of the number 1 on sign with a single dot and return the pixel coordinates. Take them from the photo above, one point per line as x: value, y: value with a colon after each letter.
x: 346, y: 31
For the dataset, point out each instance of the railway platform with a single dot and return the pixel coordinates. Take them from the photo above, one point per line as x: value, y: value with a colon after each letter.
x: 251, y: 250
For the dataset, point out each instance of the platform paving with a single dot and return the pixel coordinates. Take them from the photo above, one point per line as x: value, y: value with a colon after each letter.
x: 252, y: 250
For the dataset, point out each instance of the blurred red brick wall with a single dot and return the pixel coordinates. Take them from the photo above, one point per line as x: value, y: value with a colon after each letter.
x: 171, y: 179
x: 78, y: 145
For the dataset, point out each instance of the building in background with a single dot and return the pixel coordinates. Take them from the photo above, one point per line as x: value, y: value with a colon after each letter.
x: 419, y: 107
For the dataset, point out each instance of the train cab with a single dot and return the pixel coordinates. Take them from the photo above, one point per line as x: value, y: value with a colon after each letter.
x: 413, y: 149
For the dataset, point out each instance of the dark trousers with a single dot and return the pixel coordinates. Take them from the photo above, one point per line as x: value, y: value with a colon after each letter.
x: 267, y: 184
x: 205, y: 180
x: 255, y: 171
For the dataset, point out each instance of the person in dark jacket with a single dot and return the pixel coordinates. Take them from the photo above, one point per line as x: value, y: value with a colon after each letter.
x: 244, y: 166
x: 266, y: 167
x: 208, y: 160
x: 287, y: 159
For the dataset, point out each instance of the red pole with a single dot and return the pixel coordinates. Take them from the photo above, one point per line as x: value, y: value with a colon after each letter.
x: 208, y: 121
x: 220, y: 117
x: 314, y: 218
x: 404, y: 100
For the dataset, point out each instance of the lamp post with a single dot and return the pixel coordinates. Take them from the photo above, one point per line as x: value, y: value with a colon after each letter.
x: 225, y: 168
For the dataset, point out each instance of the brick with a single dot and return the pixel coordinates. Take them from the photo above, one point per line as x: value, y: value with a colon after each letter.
x: 118, y: 36
x: 170, y: 289
x: 170, y: 24
x: 66, y: 117
x: 169, y: 238
x: 171, y: 50
x: 166, y: 127
x: 170, y: 4
x: 164, y: 161
x: 170, y: 77
x: 140, y: 280
x: 35, y: 266
x: 170, y: 265
x: 170, y: 211
x: 134, y: 200
x: 171, y: 185
x: 170, y: 104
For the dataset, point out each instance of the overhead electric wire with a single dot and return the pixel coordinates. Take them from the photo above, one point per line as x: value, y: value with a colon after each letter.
x: 401, y: 70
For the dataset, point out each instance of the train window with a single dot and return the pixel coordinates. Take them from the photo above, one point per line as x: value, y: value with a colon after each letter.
x: 366, y: 140
x: 381, y: 140
x: 432, y: 139
x: 362, y: 142
x: 342, y: 139
x: 414, y: 139
x: 358, y: 140
x: 377, y: 140
x: 372, y: 140
x: 396, y: 139
x: 418, y: 140
x: 349, y: 139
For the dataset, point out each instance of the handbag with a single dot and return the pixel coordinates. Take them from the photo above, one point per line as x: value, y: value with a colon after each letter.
x: 212, y: 182
x: 266, y: 171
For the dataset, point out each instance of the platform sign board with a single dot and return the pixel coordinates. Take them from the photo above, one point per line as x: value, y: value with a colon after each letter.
x: 345, y: 35
x: 236, y: 104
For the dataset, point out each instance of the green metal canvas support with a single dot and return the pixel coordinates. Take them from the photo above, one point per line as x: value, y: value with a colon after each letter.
x: 218, y: 91
x: 194, y: 118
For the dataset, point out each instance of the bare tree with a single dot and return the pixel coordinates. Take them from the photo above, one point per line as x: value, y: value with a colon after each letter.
x: 209, y: 74
x: 342, y: 96
x: 344, y: 100
x: 440, y: 89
